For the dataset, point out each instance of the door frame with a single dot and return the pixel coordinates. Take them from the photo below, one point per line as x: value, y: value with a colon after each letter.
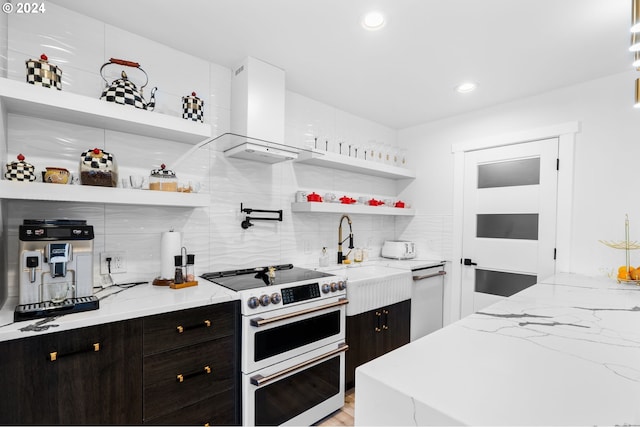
x: 566, y: 134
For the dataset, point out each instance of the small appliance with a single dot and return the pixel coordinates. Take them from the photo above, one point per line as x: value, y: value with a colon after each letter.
x: 398, y: 249
x: 56, y: 268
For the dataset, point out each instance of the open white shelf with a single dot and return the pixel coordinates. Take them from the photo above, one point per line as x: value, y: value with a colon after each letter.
x: 48, y: 103
x: 323, y: 207
x: 342, y: 162
x: 93, y: 194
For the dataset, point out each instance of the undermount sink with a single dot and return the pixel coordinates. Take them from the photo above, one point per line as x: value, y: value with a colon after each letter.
x: 373, y: 286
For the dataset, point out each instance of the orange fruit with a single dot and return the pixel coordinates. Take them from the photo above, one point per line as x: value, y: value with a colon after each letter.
x: 622, y: 269
x: 624, y: 275
x: 635, y: 274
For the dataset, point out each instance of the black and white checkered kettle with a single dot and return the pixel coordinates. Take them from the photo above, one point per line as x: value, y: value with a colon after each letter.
x: 123, y: 91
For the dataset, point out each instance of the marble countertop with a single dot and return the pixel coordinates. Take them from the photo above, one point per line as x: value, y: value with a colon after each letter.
x: 117, y: 304
x: 563, y: 352
x: 143, y: 300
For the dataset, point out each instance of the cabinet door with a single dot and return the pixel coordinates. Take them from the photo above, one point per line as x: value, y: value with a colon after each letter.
x: 84, y: 376
x: 375, y: 333
x: 396, y: 321
x: 362, y: 337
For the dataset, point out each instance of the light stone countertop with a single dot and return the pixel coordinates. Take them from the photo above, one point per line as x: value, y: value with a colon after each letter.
x: 563, y: 352
x: 137, y: 301
x: 144, y: 300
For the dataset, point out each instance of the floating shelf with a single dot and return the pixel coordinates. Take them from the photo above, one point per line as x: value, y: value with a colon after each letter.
x: 36, y: 101
x: 322, y: 207
x: 337, y: 161
x: 92, y: 194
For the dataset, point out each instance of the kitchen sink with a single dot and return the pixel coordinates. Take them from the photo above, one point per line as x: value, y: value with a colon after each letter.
x: 371, y: 286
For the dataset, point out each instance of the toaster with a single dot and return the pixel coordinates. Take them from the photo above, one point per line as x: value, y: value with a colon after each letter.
x: 398, y: 249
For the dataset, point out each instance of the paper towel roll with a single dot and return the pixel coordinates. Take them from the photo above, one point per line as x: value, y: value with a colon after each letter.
x: 170, y: 246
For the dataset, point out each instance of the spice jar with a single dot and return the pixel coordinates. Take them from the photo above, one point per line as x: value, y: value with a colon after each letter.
x: 163, y: 179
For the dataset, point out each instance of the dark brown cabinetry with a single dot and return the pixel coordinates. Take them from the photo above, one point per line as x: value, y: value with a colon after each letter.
x: 191, y: 366
x: 374, y: 333
x: 174, y: 368
x: 85, y: 376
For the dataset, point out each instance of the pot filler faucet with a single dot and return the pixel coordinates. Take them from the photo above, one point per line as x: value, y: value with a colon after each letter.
x: 341, y: 241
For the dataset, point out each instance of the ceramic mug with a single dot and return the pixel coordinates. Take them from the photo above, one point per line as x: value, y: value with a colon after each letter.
x: 56, y: 176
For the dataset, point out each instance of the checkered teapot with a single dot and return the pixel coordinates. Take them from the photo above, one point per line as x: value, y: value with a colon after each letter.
x: 123, y: 91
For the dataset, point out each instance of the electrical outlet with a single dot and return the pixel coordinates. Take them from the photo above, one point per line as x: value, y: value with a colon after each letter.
x: 118, y: 262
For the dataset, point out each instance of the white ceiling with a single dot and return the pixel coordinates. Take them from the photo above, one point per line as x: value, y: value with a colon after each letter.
x: 404, y: 74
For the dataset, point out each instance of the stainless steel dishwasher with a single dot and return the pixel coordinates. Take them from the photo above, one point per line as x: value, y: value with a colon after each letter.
x: 427, y: 297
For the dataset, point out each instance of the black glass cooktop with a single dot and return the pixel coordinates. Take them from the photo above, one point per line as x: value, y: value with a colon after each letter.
x: 251, y: 278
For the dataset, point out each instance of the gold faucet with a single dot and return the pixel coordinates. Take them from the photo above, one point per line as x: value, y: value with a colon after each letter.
x: 340, y: 241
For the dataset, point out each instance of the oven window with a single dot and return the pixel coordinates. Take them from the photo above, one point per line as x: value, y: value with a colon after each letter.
x: 287, y: 398
x: 283, y: 338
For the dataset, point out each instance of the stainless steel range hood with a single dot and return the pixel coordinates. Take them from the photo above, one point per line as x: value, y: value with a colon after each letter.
x: 257, y: 111
x: 258, y: 150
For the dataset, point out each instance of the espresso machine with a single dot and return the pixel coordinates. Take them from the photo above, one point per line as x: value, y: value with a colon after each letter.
x: 56, y: 268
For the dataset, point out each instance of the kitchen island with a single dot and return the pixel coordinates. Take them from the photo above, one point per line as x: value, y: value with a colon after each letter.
x: 565, y: 351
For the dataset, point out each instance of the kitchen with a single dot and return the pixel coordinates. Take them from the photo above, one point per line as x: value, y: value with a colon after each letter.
x: 213, y: 232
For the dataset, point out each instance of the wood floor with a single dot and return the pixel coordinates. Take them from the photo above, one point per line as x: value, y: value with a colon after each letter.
x: 344, y: 416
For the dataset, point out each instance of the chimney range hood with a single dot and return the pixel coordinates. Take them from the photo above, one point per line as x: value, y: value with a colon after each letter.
x: 257, y: 111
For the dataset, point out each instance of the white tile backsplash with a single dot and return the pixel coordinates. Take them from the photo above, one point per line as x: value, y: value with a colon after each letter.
x: 213, y: 233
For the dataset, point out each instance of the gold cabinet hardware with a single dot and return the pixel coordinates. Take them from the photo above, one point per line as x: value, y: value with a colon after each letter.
x: 182, y: 377
x: 54, y: 355
x: 180, y: 329
x: 207, y: 323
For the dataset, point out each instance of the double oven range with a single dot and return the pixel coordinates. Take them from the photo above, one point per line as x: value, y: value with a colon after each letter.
x: 293, y: 342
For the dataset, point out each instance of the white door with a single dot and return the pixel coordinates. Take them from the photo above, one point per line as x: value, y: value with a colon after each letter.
x: 509, y: 220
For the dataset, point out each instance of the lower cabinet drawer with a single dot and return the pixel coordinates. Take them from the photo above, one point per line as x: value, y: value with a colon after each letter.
x: 178, y: 378
x: 216, y: 410
x: 183, y: 328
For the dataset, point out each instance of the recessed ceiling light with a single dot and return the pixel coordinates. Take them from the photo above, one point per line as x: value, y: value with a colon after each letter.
x: 466, y: 87
x: 373, y: 21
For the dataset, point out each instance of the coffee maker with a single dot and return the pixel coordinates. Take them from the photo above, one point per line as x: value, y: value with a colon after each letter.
x: 56, y: 268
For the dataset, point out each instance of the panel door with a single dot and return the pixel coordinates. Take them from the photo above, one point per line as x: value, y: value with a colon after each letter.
x: 509, y: 221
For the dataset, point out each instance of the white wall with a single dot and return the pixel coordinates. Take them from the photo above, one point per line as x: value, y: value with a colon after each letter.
x: 606, y: 160
x: 80, y: 45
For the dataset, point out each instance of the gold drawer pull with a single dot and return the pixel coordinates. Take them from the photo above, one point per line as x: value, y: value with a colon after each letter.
x: 204, y: 324
x: 54, y: 355
x: 182, y: 377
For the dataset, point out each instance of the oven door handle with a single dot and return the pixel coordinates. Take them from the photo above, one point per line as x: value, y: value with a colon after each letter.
x: 427, y: 276
x: 259, y: 321
x: 260, y: 380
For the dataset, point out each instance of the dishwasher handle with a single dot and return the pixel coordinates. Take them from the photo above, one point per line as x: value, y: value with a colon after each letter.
x: 427, y: 276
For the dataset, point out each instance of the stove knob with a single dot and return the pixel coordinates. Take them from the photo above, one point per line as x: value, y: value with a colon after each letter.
x: 326, y: 288
x: 253, y: 302
x: 342, y: 285
x: 264, y: 300
x: 334, y: 286
x: 275, y: 298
